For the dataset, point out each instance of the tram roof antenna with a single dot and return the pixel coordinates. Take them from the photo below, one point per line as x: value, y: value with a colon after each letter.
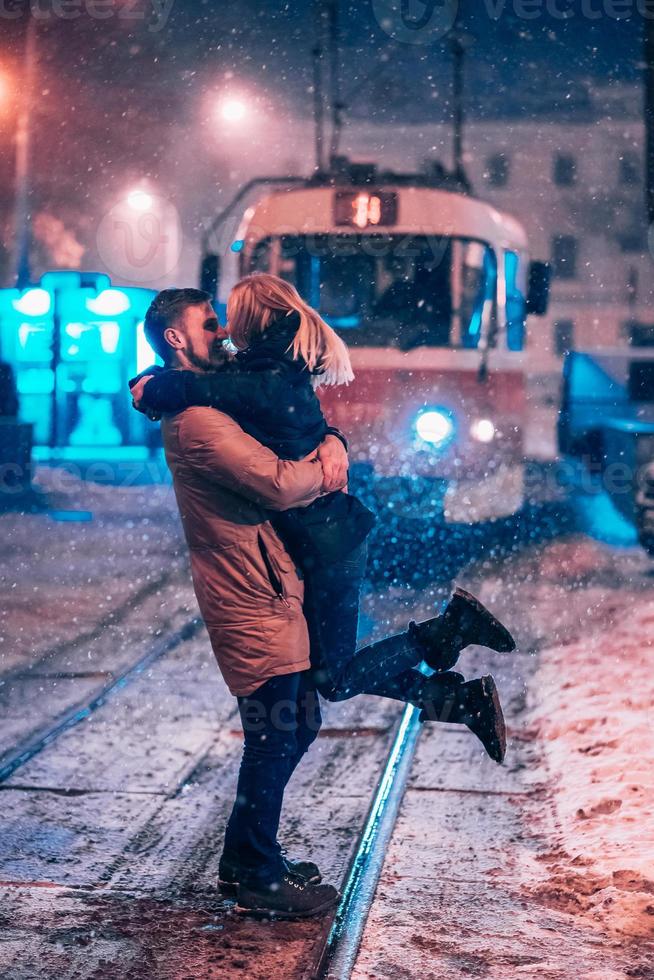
x: 327, y: 26
x: 337, y: 105
x: 318, y: 54
x: 458, y: 43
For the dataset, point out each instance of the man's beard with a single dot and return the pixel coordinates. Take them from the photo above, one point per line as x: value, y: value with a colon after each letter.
x: 218, y: 357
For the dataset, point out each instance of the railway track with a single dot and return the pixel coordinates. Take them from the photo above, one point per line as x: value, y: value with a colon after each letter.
x: 336, y: 952
x: 114, y: 617
x: 44, y: 736
x: 330, y: 951
x: 333, y: 953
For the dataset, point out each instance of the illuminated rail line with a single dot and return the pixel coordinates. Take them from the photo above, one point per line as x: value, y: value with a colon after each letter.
x: 337, y: 950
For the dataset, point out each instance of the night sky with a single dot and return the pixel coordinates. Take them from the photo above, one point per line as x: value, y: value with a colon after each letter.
x: 117, y: 101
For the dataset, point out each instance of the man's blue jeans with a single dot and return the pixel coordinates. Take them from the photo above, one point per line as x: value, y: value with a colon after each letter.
x: 280, y: 721
x: 282, y: 717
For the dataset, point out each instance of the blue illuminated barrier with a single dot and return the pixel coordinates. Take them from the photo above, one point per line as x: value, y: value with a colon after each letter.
x: 603, y: 389
x: 73, y: 342
x: 607, y: 417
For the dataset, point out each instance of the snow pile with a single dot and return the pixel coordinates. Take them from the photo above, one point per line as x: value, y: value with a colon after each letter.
x: 594, y: 722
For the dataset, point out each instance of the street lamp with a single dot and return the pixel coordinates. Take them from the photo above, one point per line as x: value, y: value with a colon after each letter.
x: 5, y: 91
x: 140, y: 200
x: 22, y: 214
x: 139, y: 239
x: 233, y: 109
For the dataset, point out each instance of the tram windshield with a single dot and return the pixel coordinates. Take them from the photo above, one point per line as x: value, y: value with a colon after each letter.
x: 392, y: 290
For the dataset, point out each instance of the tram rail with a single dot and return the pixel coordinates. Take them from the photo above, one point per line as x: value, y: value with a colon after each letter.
x: 41, y: 738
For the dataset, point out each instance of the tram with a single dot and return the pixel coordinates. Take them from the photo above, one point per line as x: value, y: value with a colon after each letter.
x: 431, y: 289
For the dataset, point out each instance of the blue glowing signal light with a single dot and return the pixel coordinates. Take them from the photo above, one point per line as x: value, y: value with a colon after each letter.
x: 435, y: 426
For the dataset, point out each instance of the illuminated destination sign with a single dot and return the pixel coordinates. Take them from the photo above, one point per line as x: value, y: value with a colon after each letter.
x: 365, y: 209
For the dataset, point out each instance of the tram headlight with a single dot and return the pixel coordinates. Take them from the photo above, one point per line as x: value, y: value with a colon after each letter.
x: 435, y: 426
x: 483, y: 430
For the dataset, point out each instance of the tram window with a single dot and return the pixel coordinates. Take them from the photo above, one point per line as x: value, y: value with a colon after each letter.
x: 415, y: 288
x: 402, y: 290
x: 516, y: 303
x: 478, y: 290
x: 346, y: 285
x: 260, y: 260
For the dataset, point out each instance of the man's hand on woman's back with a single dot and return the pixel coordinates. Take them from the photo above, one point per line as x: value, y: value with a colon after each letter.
x: 333, y: 458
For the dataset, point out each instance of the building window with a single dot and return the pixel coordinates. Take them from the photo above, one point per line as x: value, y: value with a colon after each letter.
x: 630, y: 169
x: 497, y: 170
x: 564, y: 337
x: 564, y: 256
x: 565, y: 170
x: 633, y: 239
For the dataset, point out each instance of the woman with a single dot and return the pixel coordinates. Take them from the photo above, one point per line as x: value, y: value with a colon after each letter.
x: 286, y: 351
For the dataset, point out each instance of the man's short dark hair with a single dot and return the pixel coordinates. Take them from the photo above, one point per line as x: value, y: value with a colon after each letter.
x: 164, y: 311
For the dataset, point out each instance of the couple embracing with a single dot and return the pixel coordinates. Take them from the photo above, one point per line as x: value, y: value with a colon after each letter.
x: 278, y: 558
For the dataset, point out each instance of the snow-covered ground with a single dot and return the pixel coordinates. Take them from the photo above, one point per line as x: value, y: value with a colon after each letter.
x: 85, y: 553
x: 541, y: 868
x: 544, y: 867
x: 592, y: 716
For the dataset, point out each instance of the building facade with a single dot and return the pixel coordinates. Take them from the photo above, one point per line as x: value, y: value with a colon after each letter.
x: 578, y: 188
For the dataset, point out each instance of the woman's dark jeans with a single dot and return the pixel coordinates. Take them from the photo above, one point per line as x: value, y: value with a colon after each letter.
x: 280, y: 721
x: 331, y: 606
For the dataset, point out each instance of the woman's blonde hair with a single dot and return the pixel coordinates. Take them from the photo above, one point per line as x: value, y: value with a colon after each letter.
x: 258, y: 299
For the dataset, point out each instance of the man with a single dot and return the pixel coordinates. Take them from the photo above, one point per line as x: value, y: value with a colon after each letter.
x: 250, y: 597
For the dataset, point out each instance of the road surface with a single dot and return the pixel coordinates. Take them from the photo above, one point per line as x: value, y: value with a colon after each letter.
x: 111, y: 832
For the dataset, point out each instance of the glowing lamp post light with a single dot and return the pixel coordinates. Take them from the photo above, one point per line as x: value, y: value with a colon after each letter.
x: 140, y: 200
x: 233, y: 110
x: 483, y: 430
x: 139, y: 239
x: 5, y: 92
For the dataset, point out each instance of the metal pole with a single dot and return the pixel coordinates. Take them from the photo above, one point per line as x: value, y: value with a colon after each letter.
x: 334, y: 79
x: 457, y: 98
x: 22, y: 217
x: 648, y: 78
x: 318, y: 87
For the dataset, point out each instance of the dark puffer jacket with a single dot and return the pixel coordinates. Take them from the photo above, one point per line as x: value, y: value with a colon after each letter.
x: 270, y: 395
